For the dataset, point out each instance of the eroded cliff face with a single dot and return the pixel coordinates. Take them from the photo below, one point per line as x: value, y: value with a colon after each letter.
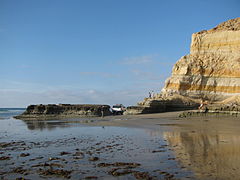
x: 212, y: 69
x: 211, y: 72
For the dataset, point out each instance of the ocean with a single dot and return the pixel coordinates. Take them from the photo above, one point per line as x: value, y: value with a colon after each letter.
x: 6, y: 113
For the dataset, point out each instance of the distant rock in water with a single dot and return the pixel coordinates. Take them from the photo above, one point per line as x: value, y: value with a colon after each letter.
x: 65, y: 110
x: 211, y: 72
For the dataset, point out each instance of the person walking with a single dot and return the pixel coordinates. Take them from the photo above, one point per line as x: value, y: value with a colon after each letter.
x: 201, y: 105
x: 152, y: 94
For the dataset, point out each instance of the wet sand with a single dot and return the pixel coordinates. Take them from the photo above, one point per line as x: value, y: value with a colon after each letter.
x: 207, y: 145
x: 152, y: 146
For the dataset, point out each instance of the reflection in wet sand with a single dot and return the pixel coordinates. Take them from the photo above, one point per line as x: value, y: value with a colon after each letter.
x: 209, y: 155
x: 83, y: 152
x: 50, y: 124
x: 41, y: 125
x: 164, y: 147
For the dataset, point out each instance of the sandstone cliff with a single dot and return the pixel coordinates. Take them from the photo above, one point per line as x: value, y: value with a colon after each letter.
x: 212, y: 69
x: 64, y: 111
x: 210, y: 72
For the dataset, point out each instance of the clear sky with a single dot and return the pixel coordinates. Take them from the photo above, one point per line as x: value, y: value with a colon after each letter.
x: 96, y: 51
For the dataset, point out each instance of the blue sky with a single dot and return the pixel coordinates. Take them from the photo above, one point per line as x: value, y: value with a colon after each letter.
x: 96, y: 51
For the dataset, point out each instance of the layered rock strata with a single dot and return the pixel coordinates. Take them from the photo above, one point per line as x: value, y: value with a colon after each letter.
x: 64, y: 110
x: 212, y: 69
x: 211, y: 72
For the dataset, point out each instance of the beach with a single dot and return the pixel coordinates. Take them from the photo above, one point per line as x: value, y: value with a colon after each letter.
x: 151, y: 146
x: 119, y: 90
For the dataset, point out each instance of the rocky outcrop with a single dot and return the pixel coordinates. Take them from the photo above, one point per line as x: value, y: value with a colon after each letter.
x: 210, y: 72
x: 212, y: 69
x: 230, y: 106
x: 64, y: 111
x: 160, y: 104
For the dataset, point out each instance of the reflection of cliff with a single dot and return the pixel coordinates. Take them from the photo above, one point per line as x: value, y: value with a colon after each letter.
x: 209, y: 156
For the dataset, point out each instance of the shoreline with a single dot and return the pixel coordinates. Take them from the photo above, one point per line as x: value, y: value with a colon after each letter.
x: 135, y: 121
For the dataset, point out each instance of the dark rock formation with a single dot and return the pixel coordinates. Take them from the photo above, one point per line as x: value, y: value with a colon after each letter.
x: 64, y: 110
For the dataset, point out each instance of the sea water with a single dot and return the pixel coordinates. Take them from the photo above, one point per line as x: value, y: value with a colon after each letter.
x: 30, y: 146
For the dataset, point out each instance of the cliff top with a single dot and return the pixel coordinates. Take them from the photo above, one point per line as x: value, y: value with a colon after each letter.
x: 230, y: 25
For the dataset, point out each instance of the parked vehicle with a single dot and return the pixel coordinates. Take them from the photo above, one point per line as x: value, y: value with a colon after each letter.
x: 118, y: 109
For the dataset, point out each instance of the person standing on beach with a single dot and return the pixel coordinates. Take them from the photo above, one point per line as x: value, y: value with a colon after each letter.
x: 102, y: 111
x: 203, y: 105
x: 149, y: 94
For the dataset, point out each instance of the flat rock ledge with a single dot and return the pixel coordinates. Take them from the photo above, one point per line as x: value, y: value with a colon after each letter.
x: 64, y: 111
x: 214, y: 110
